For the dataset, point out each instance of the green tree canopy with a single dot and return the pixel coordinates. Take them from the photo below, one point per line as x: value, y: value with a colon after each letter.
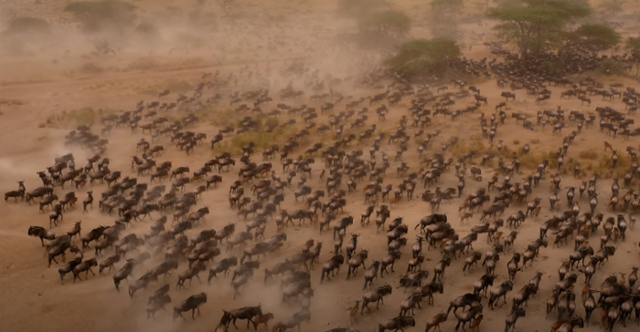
x: 388, y: 23
x: 424, y: 56
x: 21, y: 25
x: 537, y: 24
x: 596, y: 37
x: 95, y: 16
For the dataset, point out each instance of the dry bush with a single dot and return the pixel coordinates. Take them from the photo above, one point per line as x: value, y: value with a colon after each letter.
x: 11, y: 102
x: 463, y: 146
x: 72, y: 118
x: 589, y: 155
x: 516, y: 142
x: 535, y: 141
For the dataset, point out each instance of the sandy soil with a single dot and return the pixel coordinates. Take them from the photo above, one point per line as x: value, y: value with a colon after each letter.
x: 33, y: 298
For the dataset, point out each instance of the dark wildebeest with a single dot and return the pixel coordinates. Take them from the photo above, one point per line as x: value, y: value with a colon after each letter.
x: 245, y: 313
x: 397, y: 323
x: 342, y: 225
x: 42, y: 233
x: 192, y: 303
x: 123, y: 273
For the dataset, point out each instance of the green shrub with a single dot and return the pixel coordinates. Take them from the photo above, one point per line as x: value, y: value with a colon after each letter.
x: 98, y: 15
x: 22, y: 25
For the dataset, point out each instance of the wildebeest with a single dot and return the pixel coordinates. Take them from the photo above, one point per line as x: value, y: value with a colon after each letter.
x: 222, y: 266
x: 123, y: 273
x: 42, y: 233
x: 192, y: 303
x: 247, y: 313
x: 397, y: 323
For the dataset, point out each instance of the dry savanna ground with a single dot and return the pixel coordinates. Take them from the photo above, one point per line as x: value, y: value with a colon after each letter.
x: 43, y: 96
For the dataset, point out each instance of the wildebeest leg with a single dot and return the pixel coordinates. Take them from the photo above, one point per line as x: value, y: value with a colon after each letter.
x: 51, y: 258
x: 234, y: 322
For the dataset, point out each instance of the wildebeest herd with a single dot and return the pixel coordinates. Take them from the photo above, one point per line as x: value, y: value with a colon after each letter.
x: 329, y: 178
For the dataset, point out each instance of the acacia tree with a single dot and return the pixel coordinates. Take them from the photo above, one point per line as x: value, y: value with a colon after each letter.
x: 389, y: 23
x: 595, y: 37
x: 420, y: 57
x: 537, y: 24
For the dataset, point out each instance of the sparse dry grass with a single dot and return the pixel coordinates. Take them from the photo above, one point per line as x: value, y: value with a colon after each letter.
x: 532, y: 159
x: 69, y: 119
x: 588, y: 155
x: 465, y: 145
x: 261, y: 138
